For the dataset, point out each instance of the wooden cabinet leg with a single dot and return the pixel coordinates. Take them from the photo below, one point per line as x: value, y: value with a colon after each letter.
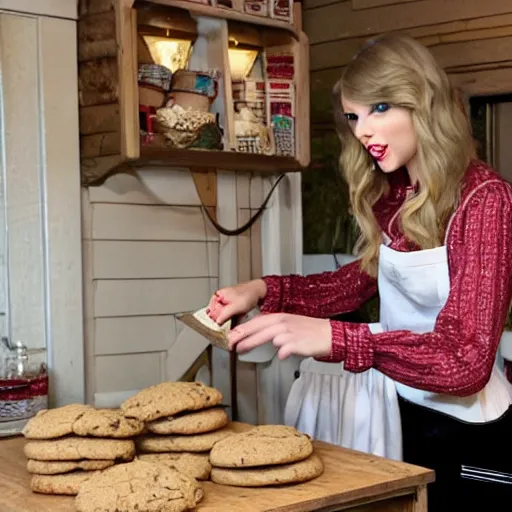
x: 205, y: 181
x: 420, y: 501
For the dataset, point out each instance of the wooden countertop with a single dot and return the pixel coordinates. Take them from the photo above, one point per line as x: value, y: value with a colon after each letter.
x: 350, y: 478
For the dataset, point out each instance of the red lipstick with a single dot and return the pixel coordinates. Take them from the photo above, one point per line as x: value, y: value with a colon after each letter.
x: 378, y: 151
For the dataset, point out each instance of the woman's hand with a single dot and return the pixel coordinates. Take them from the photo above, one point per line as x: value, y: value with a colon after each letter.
x: 291, y: 334
x: 236, y: 300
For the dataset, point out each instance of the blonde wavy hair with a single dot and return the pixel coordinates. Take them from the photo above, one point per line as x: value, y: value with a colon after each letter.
x: 396, y: 69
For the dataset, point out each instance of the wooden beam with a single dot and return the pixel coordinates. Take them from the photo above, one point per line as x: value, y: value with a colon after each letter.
x: 314, y: 4
x: 100, y: 144
x: 469, y: 53
x: 224, y: 160
x: 86, y: 7
x: 126, y: 33
x: 99, y: 119
x: 368, y: 4
x: 205, y: 181
x: 484, y: 82
x: 318, y: 23
x: 339, y: 53
x: 98, y: 82
x: 302, y: 101
x: 97, y: 36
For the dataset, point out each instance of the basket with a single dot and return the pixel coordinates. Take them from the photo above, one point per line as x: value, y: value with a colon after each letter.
x: 196, y: 82
x: 190, y: 100
x: 156, y: 75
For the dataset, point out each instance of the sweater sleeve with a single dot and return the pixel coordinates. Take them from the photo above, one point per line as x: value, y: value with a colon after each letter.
x: 457, y: 357
x: 319, y: 295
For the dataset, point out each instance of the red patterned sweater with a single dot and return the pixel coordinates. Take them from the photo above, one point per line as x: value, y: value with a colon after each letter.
x: 458, y: 356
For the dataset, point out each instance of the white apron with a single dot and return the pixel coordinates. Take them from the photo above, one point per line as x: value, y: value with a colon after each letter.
x: 360, y: 410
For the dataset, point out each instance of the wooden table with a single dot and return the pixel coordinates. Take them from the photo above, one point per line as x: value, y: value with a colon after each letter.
x: 351, y: 481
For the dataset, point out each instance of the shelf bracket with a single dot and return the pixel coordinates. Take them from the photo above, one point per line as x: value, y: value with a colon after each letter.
x: 205, y: 180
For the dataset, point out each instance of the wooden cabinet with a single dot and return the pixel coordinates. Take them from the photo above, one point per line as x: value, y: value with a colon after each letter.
x: 113, y: 45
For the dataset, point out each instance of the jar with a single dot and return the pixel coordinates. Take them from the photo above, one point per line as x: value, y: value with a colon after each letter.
x: 23, y: 383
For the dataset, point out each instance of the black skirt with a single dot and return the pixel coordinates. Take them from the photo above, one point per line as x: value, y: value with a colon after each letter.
x: 473, y: 462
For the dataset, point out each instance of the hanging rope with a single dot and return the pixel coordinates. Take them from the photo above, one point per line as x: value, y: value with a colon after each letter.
x: 250, y: 222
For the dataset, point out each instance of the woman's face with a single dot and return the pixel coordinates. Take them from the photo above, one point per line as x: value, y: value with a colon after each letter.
x: 386, y: 132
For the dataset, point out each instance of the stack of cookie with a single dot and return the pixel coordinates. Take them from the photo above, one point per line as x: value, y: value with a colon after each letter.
x: 69, y: 444
x: 183, y: 421
x: 264, y: 456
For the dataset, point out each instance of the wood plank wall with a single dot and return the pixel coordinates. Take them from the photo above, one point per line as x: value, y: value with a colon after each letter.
x: 472, y: 39
x: 145, y: 261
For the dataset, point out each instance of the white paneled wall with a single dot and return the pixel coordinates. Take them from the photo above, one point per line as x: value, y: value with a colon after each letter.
x: 162, y: 259
x: 40, y: 177
x: 144, y: 262
x: 23, y: 177
x: 130, y: 222
x: 58, y: 8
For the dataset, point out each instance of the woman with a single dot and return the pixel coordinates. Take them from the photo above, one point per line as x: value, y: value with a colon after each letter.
x: 436, y: 239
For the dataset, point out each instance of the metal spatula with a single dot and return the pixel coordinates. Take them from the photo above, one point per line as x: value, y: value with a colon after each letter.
x: 216, y: 334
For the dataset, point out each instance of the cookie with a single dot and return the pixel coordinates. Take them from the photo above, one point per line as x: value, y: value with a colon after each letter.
x: 262, y: 446
x: 60, y: 484
x: 77, y: 448
x: 54, y: 423
x: 295, y: 472
x: 196, y: 465
x: 191, y: 423
x: 139, y: 485
x: 42, y: 467
x: 81, y: 420
x: 170, y: 398
x: 181, y: 443
x: 110, y: 423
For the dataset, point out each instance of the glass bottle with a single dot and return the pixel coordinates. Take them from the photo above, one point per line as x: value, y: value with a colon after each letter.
x: 23, y: 383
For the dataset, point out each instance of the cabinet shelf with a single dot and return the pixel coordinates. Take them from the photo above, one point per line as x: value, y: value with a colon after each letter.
x: 109, y: 50
x: 228, y: 14
x: 217, y: 159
